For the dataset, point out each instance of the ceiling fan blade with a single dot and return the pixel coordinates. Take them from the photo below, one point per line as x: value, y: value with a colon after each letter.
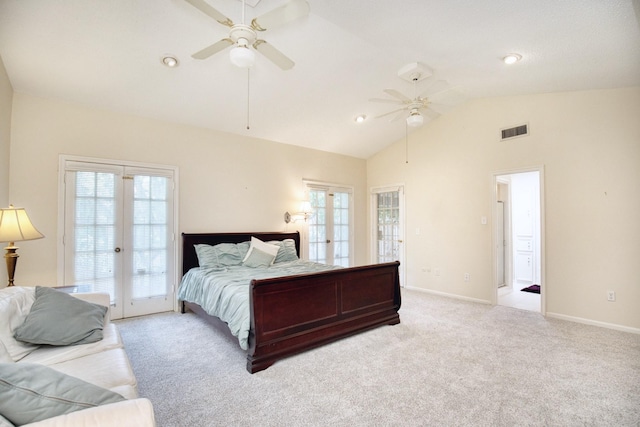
x: 401, y: 115
x: 387, y: 101
x: 397, y: 94
x: 434, y: 88
x: 430, y: 113
x: 440, y: 108
x: 451, y: 96
x: 205, y: 8
x: 281, y: 15
x: 273, y: 54
x: 390, y: 112
x: 214, y: 48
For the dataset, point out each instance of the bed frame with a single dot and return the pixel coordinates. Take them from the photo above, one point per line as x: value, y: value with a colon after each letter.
x: 292, y: 314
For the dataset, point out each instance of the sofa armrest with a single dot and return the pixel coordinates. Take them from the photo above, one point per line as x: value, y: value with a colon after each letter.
x: 100, y: 298
x: 128, y: 413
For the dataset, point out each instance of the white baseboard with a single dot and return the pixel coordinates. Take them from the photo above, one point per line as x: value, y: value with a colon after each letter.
x: 548, y: 314
x: 594, y: 323
x: 444, y: 294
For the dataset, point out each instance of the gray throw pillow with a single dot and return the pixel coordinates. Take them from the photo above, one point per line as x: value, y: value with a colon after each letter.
x: 32, y: 392
x: 259, y: 258
x: 57, y: 318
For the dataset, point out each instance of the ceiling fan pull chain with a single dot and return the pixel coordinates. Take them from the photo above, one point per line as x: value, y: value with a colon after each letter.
x: 406, y: 143
x: 248, y: 86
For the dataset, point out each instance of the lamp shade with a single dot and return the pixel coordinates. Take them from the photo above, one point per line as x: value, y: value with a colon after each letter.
x: 15, y: 226
x: 242, y: 56
x: 415, y: 120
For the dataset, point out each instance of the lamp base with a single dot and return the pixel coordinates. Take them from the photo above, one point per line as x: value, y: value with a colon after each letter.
x: 12, y: 259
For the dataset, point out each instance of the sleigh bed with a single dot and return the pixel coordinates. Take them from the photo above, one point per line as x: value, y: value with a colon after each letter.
x: 294, y: 313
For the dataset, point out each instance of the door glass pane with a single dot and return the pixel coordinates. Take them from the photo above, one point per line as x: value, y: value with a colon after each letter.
x: 94, y: 226
x: 318, y: 226
x: 341, y: 229
x: 150, y: 252
x: 388, y: 226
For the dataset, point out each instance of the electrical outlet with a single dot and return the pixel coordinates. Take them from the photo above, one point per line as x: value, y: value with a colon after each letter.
x: 611, y: 296
x: 467, y: 277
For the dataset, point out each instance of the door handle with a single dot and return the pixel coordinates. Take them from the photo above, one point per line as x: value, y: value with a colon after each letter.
x: 328, y: 241
x: 117, y: 249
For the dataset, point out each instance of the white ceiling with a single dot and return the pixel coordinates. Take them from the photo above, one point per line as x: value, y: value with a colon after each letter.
x: 106, y: 53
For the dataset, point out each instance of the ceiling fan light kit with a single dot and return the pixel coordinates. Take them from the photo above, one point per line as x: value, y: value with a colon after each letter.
x: 242, y: 57
x: 415, y: 120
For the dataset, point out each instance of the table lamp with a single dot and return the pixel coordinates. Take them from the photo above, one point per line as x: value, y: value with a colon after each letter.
x: 15, y: 226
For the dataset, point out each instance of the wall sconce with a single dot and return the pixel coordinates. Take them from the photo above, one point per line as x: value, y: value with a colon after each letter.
x: 305, y: 213
x: 15, y: 226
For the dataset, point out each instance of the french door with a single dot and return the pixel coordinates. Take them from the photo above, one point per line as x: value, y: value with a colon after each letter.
x: 388, y: 206
x: 119, y: 234
x: 330, y: 231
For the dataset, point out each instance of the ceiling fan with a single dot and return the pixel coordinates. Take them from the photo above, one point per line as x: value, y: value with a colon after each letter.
x: 243, y: 36
x: 435, y: 100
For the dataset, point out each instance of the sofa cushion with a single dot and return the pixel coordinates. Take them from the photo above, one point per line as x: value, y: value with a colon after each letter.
x: 15, y: 304
x: 129, y: 413
x: 48, y: 354
x: 57, y: 318
x: 32, y: 392
x: 5, y: 357
x: 108, y: 369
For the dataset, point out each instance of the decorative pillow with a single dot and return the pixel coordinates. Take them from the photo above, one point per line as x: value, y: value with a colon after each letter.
x: 5, y: 422
x: 15, y: 304
x: 287, y: 251
x: 257, y: 258
x: 221, y: 255
x: 264, y: 247
x: 57, y: 318
x: 32, y: 392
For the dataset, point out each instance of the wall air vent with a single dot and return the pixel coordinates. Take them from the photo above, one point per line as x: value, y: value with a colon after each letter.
x: 513, y: 132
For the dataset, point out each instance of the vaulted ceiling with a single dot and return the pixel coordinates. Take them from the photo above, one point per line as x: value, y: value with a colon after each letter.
x: 107, y: 54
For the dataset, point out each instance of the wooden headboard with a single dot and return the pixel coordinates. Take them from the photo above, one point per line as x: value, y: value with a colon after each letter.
x: 190, y: 259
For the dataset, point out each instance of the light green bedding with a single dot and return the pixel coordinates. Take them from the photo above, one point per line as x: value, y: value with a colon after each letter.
x: 224, y: 292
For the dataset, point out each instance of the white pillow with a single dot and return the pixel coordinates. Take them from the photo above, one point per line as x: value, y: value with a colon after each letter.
x: 264, y: 247
x: 15, y: 305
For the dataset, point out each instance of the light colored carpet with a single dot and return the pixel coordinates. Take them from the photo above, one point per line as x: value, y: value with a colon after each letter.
x: 448, y: 363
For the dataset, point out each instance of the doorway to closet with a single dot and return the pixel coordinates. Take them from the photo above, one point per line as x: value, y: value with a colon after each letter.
x: 518, y: 239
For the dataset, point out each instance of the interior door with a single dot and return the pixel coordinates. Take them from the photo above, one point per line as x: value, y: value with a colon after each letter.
x: 119, y: 235
x: 389, y: 228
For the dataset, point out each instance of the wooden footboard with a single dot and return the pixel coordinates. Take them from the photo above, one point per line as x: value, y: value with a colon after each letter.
x: 295, y: 313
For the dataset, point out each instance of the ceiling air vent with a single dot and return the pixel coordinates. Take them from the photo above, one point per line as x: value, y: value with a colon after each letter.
x: 515, y: 131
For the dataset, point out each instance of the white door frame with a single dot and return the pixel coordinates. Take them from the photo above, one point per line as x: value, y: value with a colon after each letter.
x: 494, y: 233
x: 374, y: 226
x: 63, y: 159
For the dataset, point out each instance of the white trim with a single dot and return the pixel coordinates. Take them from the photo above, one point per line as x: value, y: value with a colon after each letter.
x: 494, y: 255
x: 373, y: 220
x: 594, y: 323
x: 65, y: 162
x: 445, y: 294
x: 340, y: 188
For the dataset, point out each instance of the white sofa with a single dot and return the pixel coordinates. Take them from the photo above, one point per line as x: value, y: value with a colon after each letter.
x: 103, y: 363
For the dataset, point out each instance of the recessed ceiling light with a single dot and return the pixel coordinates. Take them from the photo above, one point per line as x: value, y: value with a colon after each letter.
x: 512, y: 58
x: 361, y: 118
x: 170, y: 61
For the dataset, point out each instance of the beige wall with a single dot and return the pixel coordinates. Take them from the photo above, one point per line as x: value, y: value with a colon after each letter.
x: 589, y: 145
x: 6, y: 97
x: 227, y: 182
